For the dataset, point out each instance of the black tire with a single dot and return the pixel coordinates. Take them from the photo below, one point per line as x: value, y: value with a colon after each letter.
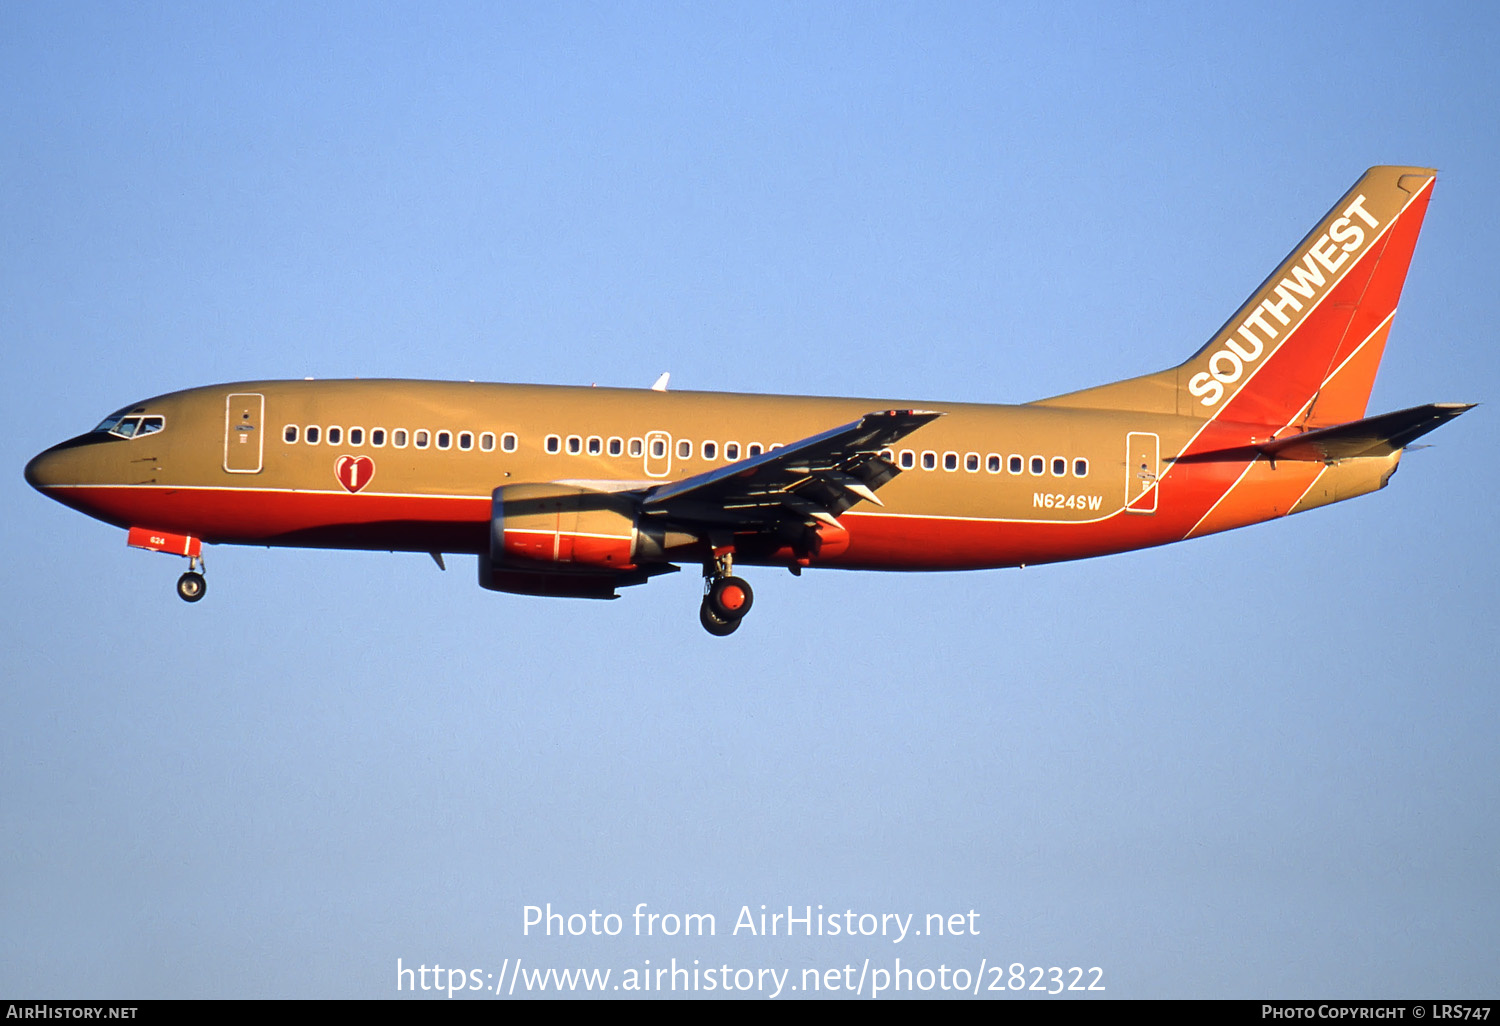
x: 730, y: 598
x: 191, y: 586
x: 715, y: 625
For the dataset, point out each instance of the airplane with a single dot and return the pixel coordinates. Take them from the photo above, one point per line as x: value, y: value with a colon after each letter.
x: 580, y: 491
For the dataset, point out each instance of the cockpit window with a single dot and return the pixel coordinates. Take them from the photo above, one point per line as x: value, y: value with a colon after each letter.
x: 131, y: 426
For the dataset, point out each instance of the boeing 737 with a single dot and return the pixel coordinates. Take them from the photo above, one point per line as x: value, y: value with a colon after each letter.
x: 578, y: 492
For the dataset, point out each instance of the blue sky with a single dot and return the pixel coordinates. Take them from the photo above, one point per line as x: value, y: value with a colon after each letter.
x: 1259, y: 764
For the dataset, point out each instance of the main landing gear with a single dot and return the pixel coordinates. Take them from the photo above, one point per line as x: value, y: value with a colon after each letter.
x: 192, y: 586
x: 726, y: 598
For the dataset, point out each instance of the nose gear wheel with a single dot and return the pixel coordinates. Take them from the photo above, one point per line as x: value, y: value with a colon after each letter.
x: 191, y: 586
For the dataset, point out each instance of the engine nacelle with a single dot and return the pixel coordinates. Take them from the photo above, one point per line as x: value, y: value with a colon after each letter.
x: 573, y: 542
x: 575, y: 527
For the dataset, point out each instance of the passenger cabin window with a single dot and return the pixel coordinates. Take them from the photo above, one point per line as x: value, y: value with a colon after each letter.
x: 398, y: 438
x: 421, y: 438
x: 710, y: 450
x: 377, y: 437
x: 356, y: 436
x: 466, y: 440
x: 290, y: 433
x: 753, y: 449
x: 950, y: 461
x: 971, y: 462
x: 1016, y: 465
x: 636, y: 447
x: 732, y: 451
x: 908, y: 459
x: 992, y: 463
x: 658, y: 448
x: 445, y: 439
x: 312, y: 434
x: 1059, y: 467
x: 929, y: 460
x: 508, y: 442
x: 596, y: 445
x: 616, y: 446
x: 1080, y: 468
x: 553, y: 444
x: 684, y: 449
x: 575, y: 444
x: 335, y: 435
x: 1038, y: 466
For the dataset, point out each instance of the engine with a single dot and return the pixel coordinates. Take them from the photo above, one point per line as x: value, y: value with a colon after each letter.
x: 572, y: 542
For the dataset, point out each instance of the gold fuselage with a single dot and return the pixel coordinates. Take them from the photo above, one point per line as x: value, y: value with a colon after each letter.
x: 982, y: 485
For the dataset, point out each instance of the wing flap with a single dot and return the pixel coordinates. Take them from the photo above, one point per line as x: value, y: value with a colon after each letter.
x: 812, y: 480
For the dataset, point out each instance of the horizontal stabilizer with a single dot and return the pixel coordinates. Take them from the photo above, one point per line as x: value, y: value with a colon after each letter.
x: 1373, y: 436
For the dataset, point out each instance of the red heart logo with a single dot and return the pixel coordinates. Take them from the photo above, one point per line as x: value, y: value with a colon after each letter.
x: 354, y: 472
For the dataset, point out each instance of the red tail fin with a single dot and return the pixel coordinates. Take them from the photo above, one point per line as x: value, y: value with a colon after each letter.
x: 1304, y: 348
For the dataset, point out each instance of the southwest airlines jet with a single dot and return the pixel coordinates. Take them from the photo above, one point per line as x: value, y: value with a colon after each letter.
x: 577, y: 492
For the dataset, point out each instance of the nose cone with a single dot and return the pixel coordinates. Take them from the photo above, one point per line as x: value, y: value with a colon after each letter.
x: 41, y: 472
x: 63, y: 464
x: 73, y: 472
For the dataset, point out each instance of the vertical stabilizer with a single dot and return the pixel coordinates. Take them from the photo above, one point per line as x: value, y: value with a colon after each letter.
x: 1304, y: 348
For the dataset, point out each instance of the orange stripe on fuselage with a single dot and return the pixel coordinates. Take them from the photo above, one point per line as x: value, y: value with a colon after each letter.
x: 417, y: 523
x: 1262, y: 493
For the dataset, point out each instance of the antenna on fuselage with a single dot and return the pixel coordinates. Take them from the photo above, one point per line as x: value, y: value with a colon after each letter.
x: 661, y: 382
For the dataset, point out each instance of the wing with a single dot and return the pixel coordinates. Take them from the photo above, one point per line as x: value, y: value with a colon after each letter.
x: 806, y: 482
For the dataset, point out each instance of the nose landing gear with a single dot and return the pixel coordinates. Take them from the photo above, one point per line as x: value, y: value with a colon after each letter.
x: 191, y: 587
x: 726, y: 598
